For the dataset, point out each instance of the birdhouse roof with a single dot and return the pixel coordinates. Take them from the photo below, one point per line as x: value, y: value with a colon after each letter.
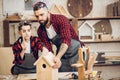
x: 39, y: 59
x: 82, y: 25
x: 48, y: 58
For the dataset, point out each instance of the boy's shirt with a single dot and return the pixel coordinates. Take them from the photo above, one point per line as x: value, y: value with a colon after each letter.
x: 35, y: 44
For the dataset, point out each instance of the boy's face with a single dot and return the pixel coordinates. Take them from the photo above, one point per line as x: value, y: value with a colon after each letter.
x: 25, y: 32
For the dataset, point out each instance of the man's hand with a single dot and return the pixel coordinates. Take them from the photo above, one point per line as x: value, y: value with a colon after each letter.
x: 61, y: 52
x: 57, y: 63
x: 56, y: 59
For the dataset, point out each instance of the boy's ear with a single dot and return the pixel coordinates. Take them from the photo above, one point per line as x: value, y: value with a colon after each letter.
x: 19, y: 32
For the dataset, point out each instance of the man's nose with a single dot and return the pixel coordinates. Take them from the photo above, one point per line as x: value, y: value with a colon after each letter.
x: 39, y: 17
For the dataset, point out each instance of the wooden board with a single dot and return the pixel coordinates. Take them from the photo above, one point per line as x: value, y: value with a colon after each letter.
x: 54, y: 9
x: 79, y: 8
x: 6, y: 59
x: 113, y: 9
x: 59, y: 10
x: 61, y: 75
x: 110, y: 10
x: 119, y: 8
x: 49, y: 58
x: 15, y: 16
x: 115, y: 57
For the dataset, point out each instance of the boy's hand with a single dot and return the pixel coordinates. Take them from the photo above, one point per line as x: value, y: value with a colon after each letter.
x: 23, y: 48
x: 23, y: 44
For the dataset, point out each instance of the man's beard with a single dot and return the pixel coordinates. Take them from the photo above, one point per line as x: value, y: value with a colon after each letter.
x: 45, y: 22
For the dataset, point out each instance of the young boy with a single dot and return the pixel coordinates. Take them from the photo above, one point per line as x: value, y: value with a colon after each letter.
x: 26, y: 49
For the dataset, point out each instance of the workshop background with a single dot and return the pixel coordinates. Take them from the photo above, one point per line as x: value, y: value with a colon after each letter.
x: 97, y: 25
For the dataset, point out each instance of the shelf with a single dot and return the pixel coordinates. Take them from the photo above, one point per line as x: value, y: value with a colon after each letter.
x: 105, y: 64
x: 92, y: 18
x: 6, y: 26
x: 18, y: 20
x: 99, y: 18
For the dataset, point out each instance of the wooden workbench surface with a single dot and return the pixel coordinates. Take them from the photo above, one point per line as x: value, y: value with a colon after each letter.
x: 62, y: 76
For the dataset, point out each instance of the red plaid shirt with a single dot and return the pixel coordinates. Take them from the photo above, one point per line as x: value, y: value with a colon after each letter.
x: 35, y: 43
x: 62, y: 27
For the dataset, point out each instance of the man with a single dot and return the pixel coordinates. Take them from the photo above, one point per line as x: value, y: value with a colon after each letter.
x: 26, y: 49
x: 56, y: 29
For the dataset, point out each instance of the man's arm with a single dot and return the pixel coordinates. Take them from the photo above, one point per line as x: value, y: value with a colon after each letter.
x: 62, y: 50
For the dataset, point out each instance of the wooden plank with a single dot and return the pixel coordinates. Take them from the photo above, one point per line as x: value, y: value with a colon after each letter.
x: 81, y: 70
x: 110, y: 10
x: 61, y: 75
x: 75, y: 24
x: 5, y: 65
x: 79, y: 8
x: 26, y: 76
x: 6, y: 33
x: 91, y: 62
x: 111, y: 56
x: 49, y: 58
x: 77, y: 65
x: 54, y: 9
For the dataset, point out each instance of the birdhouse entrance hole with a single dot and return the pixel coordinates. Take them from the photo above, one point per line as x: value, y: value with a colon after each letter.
x: 44, y: 65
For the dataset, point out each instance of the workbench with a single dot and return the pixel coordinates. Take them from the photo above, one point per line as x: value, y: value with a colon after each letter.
x: 62, y: 76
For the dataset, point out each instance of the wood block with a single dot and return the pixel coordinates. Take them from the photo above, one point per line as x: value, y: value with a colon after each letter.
x: 64, y: 12
x: 55, y: 9
x: 106, y: 37
x: 98, y: 36
x: 13, y: 17
x: 77, y: 65
x: 44, y: 67
x: 113, y: 57
x: 5, y: 65
x: 110, y: 10
x: 81, y: 69
x: 85, y: 37
x: 91, y: 62
x: 49, y: 58
x: 119, y: 8
x: 26, y: 77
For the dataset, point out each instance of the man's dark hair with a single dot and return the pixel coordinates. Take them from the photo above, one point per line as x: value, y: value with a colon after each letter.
x: 23, y: 23
x: 39, y: 5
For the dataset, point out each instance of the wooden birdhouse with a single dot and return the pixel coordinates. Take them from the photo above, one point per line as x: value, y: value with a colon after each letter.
x: 86, y: 32
x: 44, y: 68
